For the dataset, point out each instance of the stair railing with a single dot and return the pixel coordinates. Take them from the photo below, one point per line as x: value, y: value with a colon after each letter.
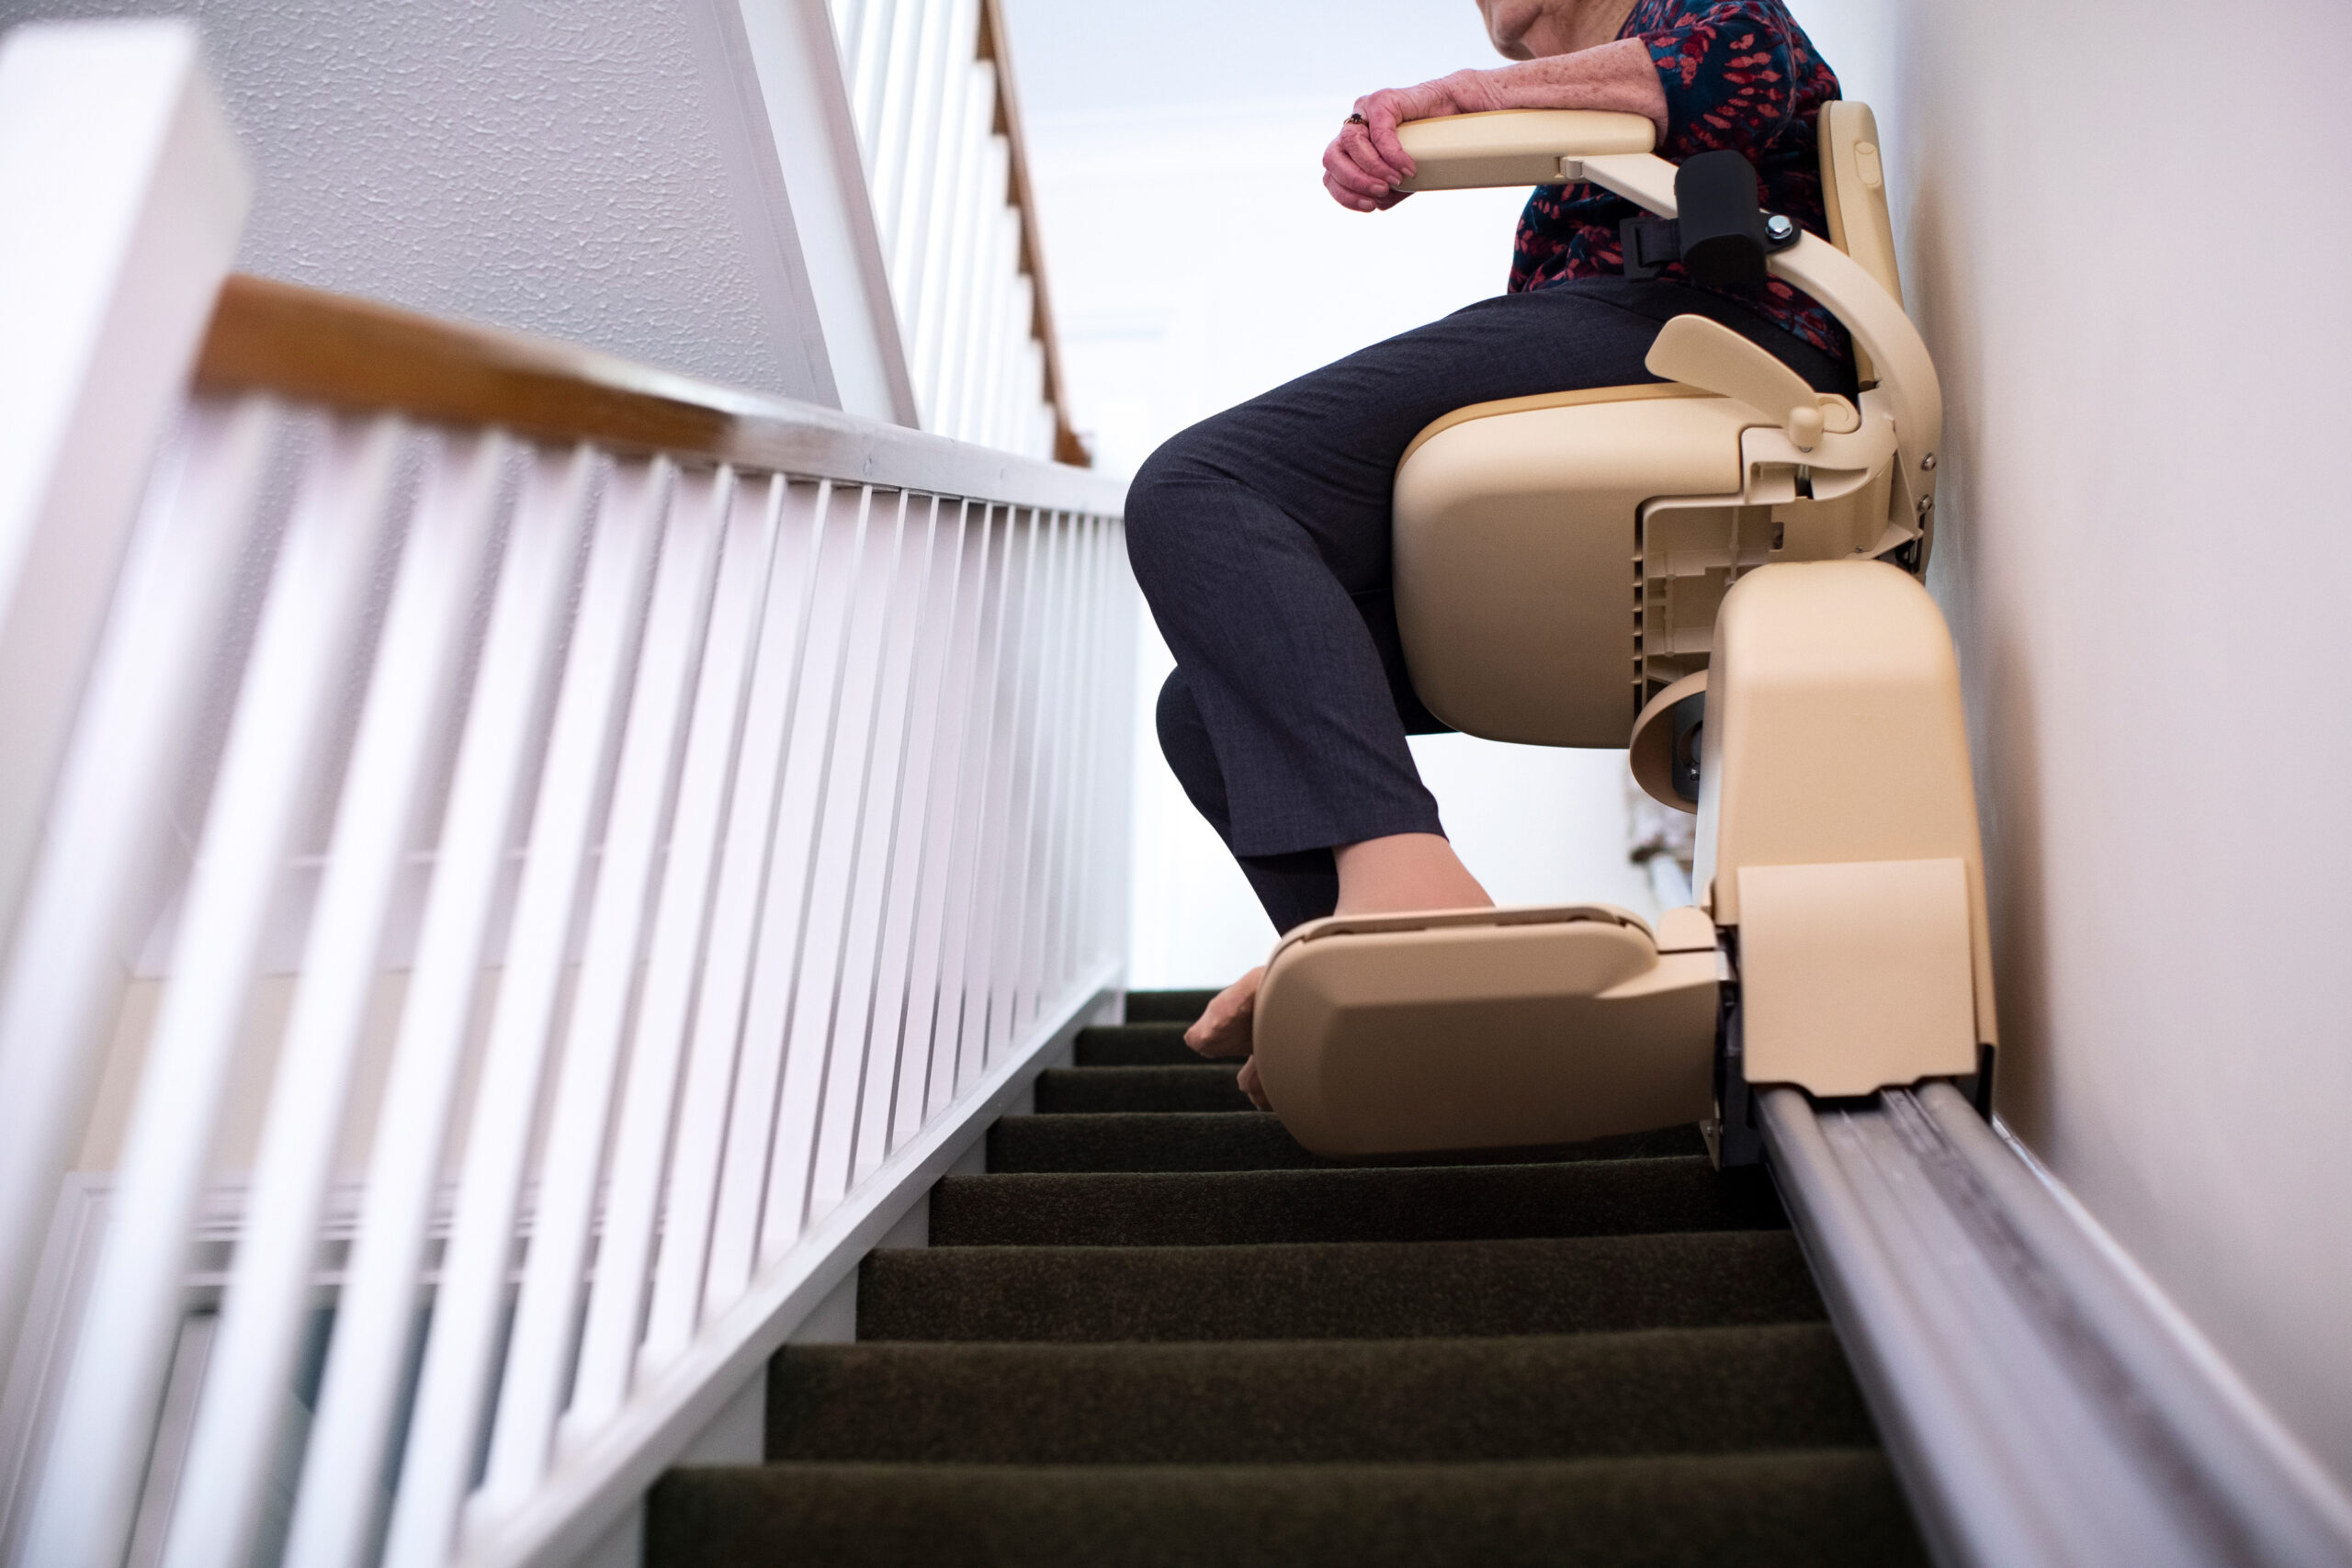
x: 931, y: 93
x: 547, y: 861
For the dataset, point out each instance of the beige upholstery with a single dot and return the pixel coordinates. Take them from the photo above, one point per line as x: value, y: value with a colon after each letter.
x: 1571, y: 568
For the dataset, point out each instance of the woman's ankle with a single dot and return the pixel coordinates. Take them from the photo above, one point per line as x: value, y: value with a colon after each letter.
x: 1405, y: 871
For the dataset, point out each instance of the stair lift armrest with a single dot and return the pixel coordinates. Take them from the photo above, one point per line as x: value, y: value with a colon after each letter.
x: 1517, y: 147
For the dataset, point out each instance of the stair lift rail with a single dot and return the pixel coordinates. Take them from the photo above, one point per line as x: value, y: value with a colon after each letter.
x: 548, y: 861
x: 2038, y: 1408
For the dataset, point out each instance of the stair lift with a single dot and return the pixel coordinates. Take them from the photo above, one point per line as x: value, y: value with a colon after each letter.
x: 1724, y: 566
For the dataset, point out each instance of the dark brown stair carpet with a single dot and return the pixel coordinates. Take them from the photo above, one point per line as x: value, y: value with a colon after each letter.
x: 1161, y: 1332
x: 1570, y: 1396
x: 1239, y: 1208
x: 1206, y: 1087
x: 1179, y: 1008
x: 1810, y: 1508
x: 1335, y: 1289
x: 1198, y: 1140
x: 1135, y: 1045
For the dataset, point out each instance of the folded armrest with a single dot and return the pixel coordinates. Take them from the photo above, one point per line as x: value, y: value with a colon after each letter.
x: 1517, y: 147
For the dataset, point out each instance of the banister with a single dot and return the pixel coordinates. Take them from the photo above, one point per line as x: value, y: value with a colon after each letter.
x: 360, y: 355
x: 995, y: 46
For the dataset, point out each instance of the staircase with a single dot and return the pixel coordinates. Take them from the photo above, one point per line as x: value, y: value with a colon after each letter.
x: 1159, y: 1331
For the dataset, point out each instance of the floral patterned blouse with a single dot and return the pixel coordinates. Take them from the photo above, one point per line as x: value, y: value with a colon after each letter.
x: 1738, y: 73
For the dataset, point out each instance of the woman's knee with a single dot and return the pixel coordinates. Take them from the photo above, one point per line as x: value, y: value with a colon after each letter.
x: 1155, y: 496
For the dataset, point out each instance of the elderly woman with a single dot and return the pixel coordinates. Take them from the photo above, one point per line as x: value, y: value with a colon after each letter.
x: 1261, y: 536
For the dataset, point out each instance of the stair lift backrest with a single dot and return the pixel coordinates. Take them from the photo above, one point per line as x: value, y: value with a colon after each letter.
x: 1853, y: 189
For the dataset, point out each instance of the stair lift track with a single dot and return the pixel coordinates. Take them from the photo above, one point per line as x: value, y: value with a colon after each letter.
x: 2036, y: 1405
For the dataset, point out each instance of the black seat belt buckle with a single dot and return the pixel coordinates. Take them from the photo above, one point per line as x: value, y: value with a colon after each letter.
x: 1649, y: 244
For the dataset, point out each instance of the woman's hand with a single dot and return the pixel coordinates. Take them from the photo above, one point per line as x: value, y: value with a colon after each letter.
x: 1365, y: 162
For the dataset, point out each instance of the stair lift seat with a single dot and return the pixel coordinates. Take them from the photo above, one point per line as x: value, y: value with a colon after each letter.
x: 1719, y: 570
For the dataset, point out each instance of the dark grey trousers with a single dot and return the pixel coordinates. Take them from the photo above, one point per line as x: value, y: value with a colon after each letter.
x: 1261, y: 538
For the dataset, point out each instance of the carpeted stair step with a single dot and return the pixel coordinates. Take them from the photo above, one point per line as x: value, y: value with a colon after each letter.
x: 1180, y: 1140
x: 1135, y: 1045
x: 1818, y: 1508
x: 1161, y: 1332
x: 1206, y: 1086
x: 1655, y: 1390
x: 1335, y: 1291
x: 1238, y: 1208
x: 1167, y: 1007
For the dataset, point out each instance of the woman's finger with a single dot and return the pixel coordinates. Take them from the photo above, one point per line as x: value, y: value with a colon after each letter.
x: 1380, y: 129
x: 1373, y: 112
x: 1342, y: 172
x: 1349, y: 199
x: 1356, y: 147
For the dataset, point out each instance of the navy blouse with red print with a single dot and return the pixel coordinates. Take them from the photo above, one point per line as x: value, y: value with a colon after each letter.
x: 1738, y: 73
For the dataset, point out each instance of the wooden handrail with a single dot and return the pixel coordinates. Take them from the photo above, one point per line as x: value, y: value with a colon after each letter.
x: 995, y: 45
x: 314, y: 347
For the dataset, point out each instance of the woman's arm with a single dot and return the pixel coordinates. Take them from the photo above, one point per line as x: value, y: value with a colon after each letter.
x: 1363, y: 163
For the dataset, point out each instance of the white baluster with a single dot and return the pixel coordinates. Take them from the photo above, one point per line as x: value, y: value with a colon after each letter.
x: 999, y: 252
x: 609, y: 1342
x: 1046, y: 681
x: 919, y: 265
x: 916, y: 706
x: 962, y: 1000
x: 302, y: 653
x: 546, y: 1313
x: 336, y: 1511
x: 976, y: 279
x: 983, y: 1028
x: 874, y: 32
x: 857, y: 874
x: 1047, y: 967
x: 262, y: 1318
x: 948, y: 837
x: 688, y: 1232
x: 894, y: 117
x: 940, y: 332
x: 469, y: 1306
x: 65, y: 977
x: 809, y: 715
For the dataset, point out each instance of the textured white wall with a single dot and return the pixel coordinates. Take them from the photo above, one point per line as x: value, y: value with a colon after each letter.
x: 542, y: 166
x: 2125, y: 229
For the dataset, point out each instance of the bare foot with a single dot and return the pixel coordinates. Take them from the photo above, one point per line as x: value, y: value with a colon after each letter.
x: 1406, y: 871
x: 1223, y: 1030
x: 1403, y: 870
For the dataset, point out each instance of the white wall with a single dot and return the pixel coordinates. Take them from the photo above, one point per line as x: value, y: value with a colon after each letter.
x: 550, y: 166
x: 1196, y: 262
x: 2125, y: 229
